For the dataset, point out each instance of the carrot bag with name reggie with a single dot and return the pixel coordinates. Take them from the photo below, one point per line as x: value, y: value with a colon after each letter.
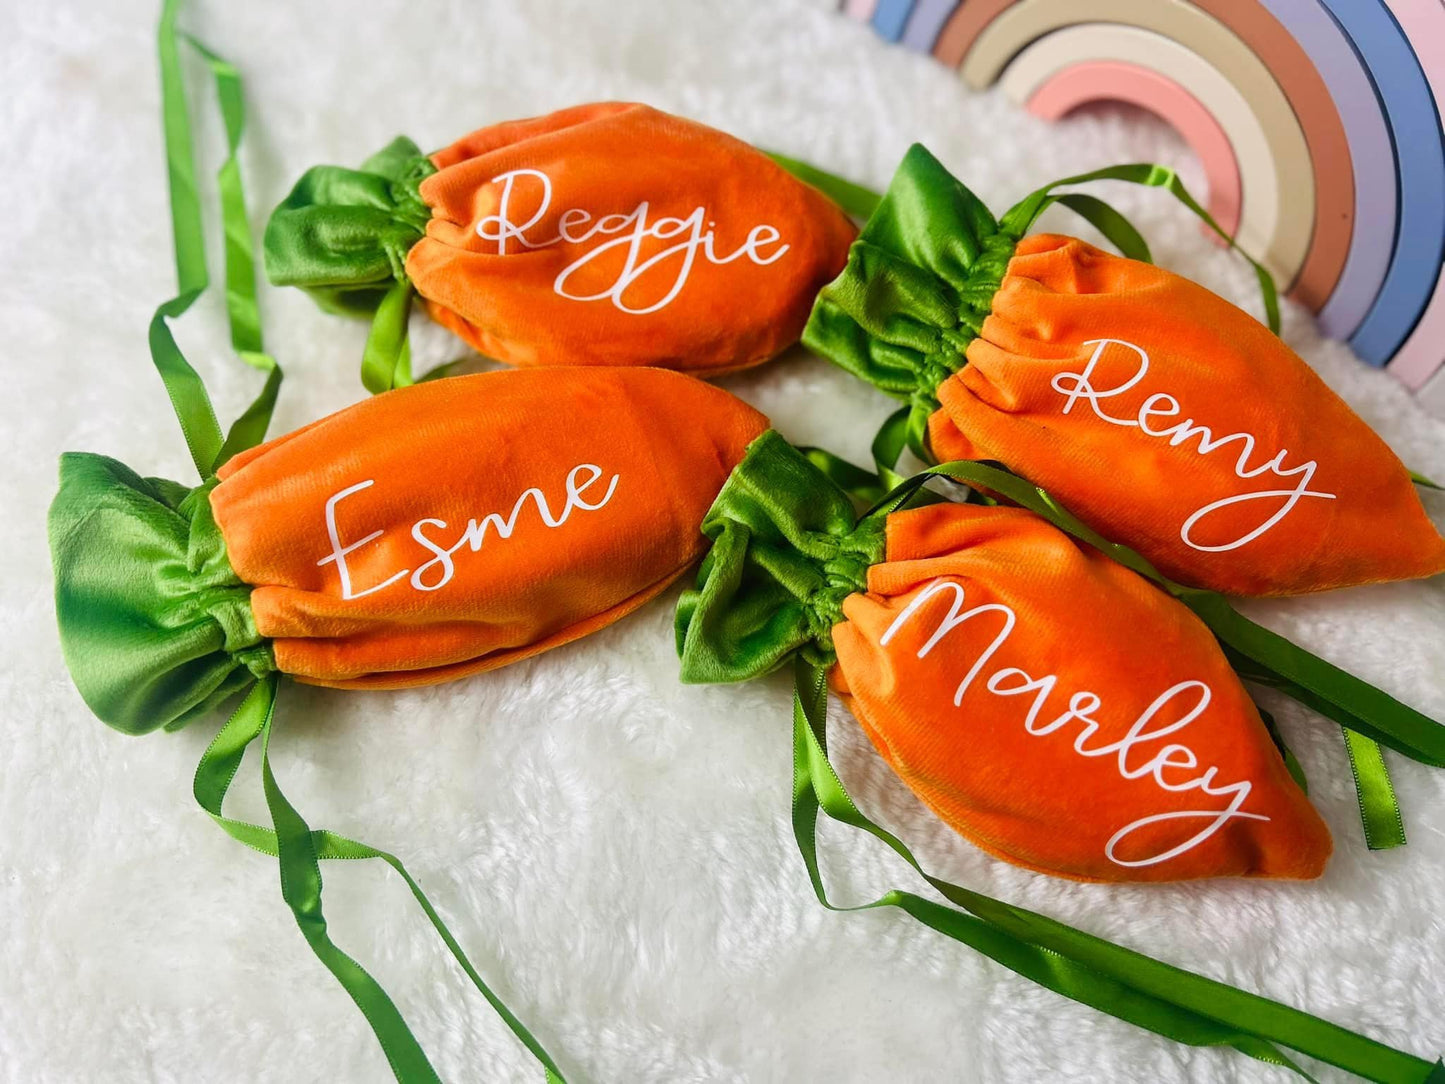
x: 604, y: 234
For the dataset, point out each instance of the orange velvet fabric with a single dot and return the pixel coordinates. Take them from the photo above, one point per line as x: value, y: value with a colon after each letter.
x: 1174, y: 423
x: 1164, y: 771
x: 457, y: 525
x: 615, y: 234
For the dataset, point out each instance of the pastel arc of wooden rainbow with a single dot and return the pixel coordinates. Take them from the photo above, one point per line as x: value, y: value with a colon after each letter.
x: 1263, y: 198
x: 926, y: 22
x: 1109, y: 80
x: 1372, y: 155
x: 1329, y: 150
x: 862, y: 10
x: 1423, y: 353
x: 1305, y: 92
x: 1209, y: 41
x: 1420, y: 152
x: 890, y: 17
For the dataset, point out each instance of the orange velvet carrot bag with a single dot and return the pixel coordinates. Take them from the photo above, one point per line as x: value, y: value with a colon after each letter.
x: 423, y: 535
x: 1052, y: 705
x: 604, y: 234
x: 429, y: 533
x: 1157, y: 412
x: 1049, y: 704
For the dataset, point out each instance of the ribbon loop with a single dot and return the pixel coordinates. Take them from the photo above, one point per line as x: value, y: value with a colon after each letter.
x: 1018, y: 218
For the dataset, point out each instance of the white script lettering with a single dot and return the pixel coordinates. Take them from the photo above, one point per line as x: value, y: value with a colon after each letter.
x: 694, y: 234
x: 436, y: 572
x: 1076, y: 386
x: 1186, y: 699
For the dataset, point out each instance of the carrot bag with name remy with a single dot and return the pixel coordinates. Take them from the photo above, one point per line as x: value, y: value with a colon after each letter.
x: 604, y: 234
x: 1158, y: 413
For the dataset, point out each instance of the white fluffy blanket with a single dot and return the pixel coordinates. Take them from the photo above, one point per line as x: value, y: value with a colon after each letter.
x: 611, y: 847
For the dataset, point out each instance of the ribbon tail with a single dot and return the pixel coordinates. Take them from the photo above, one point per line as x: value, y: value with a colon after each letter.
x: 187, y: 392
x: 1375, y: 792
x: 1318, y: 684
x: 1168, y: 1001
x: 242, y: 311
x: 299, y: 849
x: 856, y: 200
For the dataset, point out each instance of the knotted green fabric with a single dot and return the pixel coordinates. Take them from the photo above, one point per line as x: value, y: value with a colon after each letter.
x: 342, y: 234
x: 919, y: 281
x: 787, y: 550
x: 155, y: 625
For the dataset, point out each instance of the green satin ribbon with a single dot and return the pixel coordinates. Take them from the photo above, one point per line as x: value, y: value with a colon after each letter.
x: 183, y: 384
x: 342, y: 235
x: 386, y: 361
x: 156, y: 626
x: 299, y: 848
x: 1128, y: 985
x: 1022, y: 215
x: 855, y: 199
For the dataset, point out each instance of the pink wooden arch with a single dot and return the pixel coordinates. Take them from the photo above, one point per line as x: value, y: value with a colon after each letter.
x: 1110, y: 80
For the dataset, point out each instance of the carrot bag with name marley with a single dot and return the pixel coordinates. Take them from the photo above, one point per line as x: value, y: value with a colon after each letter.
x: 1058, y: 709
x: 1158, y: 413
x: 604, y: 234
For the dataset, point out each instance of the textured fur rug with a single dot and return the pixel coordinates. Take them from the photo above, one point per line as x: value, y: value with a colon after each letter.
x: 611, y: 847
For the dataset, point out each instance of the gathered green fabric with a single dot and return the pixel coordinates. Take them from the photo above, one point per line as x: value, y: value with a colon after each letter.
x: 155, y: 625
x: 787, y: 550
x: 342, y: 234
x: 919, y: 281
